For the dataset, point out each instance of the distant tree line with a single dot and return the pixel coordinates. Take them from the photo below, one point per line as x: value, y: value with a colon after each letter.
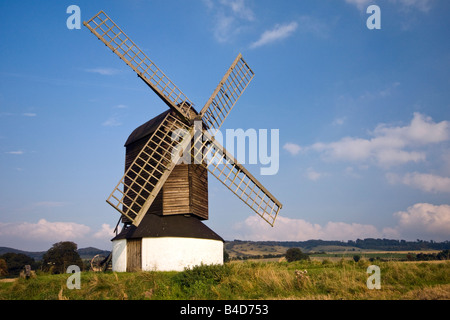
x: 368, y: 243
x: 12, y: 263
x: 256, y: 256
x: 55, y: 260
x: 442, y: 255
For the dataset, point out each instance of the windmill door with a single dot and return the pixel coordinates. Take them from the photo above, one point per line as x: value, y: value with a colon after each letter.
x: 134, y: 255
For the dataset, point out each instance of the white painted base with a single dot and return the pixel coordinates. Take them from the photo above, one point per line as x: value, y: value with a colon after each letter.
x: 119, y: 255
x: 170, y: 253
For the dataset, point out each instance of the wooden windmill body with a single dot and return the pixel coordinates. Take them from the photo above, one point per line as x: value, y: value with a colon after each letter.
x: 163, y: 201
x: 185, y: 190
x: 172, y: 235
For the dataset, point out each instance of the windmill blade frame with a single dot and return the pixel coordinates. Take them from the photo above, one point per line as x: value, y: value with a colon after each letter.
x: 222, y: 165
x: 106, y: 30
x: 226, y: 94
x: 144, y: 178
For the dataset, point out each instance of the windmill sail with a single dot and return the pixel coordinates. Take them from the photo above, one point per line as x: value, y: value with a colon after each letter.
x: 221, y: 164
x: 145, y: 177
x: 114, y: 38
x: 223, y: 99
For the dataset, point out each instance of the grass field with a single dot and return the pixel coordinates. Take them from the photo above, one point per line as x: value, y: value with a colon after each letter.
x: 366, y: 254
x: 343, y: 279
x: 238, y: 250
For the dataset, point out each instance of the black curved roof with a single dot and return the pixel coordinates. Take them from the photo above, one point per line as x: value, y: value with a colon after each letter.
x: 146, y: 129
x: 180, y: 226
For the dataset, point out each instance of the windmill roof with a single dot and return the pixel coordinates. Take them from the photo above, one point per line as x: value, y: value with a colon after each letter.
x: 181, y: 226
x: 146, y: 129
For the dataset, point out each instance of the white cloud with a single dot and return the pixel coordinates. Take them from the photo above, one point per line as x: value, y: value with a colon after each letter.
x: 105, y: 233
x: 277, y: 33
x: 287, y: 229
x: 422, y: 5
x: 208, y: 3
x: 313, y: 175
x: 112, y: 121
x: 360, y: 4
x: 44, y: 230
x: 420, y: 221
x: 314, y: 26
x: 104, y: 71
x: 339, y: 121
x: 422, y: 130
x: 223, y: 29
x: 41, y: 235
x: 423, y: 181
x: 18, y: 152
x: 350, y: 172
x: 425, y: 221
x: 388, y: 91
x: 25, y: 114
x: 389, y: 145
x: 229, y: 17
x: 292, y: 148
x: 239, y: 8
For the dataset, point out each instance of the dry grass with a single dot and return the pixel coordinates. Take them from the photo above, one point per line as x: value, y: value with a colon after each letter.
x: 438, y: 292
x: 248, y: 280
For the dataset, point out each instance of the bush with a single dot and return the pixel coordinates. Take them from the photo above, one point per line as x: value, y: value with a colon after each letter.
x: 210, y: 274
x: 356, y: 258
x: 295, y: 254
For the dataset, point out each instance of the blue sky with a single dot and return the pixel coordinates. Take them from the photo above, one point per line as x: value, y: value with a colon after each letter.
x: 363, y: 115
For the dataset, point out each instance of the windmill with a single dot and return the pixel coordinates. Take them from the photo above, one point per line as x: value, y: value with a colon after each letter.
x: 162, y: 201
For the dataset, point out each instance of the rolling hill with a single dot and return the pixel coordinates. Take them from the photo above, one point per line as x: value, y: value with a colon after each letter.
x: 85, y: 253
x: 247, y: 248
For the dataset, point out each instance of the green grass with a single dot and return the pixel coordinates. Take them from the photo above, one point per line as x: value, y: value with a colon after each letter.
x: 248, y: 280
x: 363, y: 255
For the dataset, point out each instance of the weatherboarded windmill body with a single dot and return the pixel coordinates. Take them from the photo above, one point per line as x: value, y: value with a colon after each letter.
x: 162, y: 199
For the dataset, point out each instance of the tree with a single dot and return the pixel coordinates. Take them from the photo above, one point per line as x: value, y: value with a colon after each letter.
x: 3, y: 268
x: 294, y: 254
x: 60, y: 256
x: 226, y: 256
x: 17, y: 261
x: 443, y: 255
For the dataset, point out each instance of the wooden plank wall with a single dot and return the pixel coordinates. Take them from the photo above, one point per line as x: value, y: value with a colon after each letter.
x: 185, y: 191
x: 198, y: 198
x: 176, y: 191
x: 134, y: 255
